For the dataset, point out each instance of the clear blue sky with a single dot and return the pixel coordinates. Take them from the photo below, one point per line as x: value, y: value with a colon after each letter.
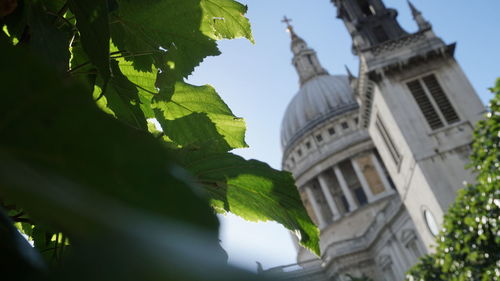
x: 257, y: 82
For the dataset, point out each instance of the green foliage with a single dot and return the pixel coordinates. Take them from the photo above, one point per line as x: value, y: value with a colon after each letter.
x: 85, y: 175
x: 468, y: 247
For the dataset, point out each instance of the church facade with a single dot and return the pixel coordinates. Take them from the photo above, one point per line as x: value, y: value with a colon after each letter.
x: 379, y: 157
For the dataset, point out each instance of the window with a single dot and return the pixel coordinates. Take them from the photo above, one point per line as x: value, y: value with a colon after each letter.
x: 331, y: 131
x: 361, y: 196
x: 345, y: 125
x: 389, y: 143
x: 441, y: 99
x: 433, y: 102
x: 308, y: 145
x: 293, y: 160
x: 366, y: 8
x: 356, y: 120
x: 299, y: 152
x: 380, y: 34
x: 431, y: 223
x: 345, y: 204
x: 319, y: 138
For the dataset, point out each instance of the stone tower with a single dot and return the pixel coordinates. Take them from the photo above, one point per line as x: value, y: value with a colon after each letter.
x: 417, y: 105
x: 345, y: 187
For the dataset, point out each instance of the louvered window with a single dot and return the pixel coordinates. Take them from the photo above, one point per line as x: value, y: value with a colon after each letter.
x: 389, y: 143
x: 425, y: 104
x: 433, y: 102
x: 441, y: 99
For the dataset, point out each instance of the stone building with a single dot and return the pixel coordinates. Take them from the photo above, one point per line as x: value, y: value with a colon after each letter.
x: 379, y: 157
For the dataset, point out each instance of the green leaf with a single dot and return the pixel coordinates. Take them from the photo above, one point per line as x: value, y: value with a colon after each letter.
x: 123, y: 99
x: 93, y: 24
x: 224, y: 19
x: 144, y: 83
x: 195, y: 116
x: 162, y: 32
x: 253, y: 191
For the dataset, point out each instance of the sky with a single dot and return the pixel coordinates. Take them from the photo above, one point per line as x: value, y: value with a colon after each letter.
x: 258, y: 81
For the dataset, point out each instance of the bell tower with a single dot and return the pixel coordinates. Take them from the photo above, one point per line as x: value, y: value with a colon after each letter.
x: 369, y: 22
x: 416, y: 103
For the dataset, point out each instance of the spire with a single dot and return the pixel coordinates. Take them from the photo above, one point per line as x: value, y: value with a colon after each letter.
x: 289, y: 27
x: 417, y: 16
x: 304, y: 59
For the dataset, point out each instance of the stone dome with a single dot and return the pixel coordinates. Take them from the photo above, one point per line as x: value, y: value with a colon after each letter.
x: 318, y: 99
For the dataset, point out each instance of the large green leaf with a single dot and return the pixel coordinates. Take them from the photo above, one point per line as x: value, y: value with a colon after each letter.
x: 93, y: 24
x: 253, y: 191
x: 164, y: 32
x: 224, y: 19
x: 55, y: 128
x: 195, y: 116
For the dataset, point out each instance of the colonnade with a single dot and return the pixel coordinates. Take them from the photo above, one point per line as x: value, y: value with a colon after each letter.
x: 325, y: 191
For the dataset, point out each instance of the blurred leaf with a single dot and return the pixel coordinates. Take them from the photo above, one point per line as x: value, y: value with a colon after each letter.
x: 91, y: 148
x: 45, y: 39
x: 93, y: 24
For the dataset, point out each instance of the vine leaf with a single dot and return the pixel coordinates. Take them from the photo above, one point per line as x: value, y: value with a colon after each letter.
x: 167, y: 29
x: 123, y: 99
x: 92, y: 22
x: 224, y: 19
x: 196, y: 116
x: 252, y: 190
x: 144, y: 83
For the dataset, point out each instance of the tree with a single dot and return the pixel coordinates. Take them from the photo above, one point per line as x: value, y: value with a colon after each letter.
x: 85, y: 174
x: 468, y: 246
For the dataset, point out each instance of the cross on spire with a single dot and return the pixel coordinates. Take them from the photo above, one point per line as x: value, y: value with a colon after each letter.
x: 289, y: 27
x: 286, y: 21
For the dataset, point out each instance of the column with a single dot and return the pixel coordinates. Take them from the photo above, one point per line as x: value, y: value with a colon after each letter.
x: 381, y: 173
x: 363, y: 181
x: 398, y: 267
x: 323, y: 182
x: 316, y: 207
x: 345, y: 188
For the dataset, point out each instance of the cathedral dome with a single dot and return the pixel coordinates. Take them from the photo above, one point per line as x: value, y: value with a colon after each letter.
x: 318, y: 99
